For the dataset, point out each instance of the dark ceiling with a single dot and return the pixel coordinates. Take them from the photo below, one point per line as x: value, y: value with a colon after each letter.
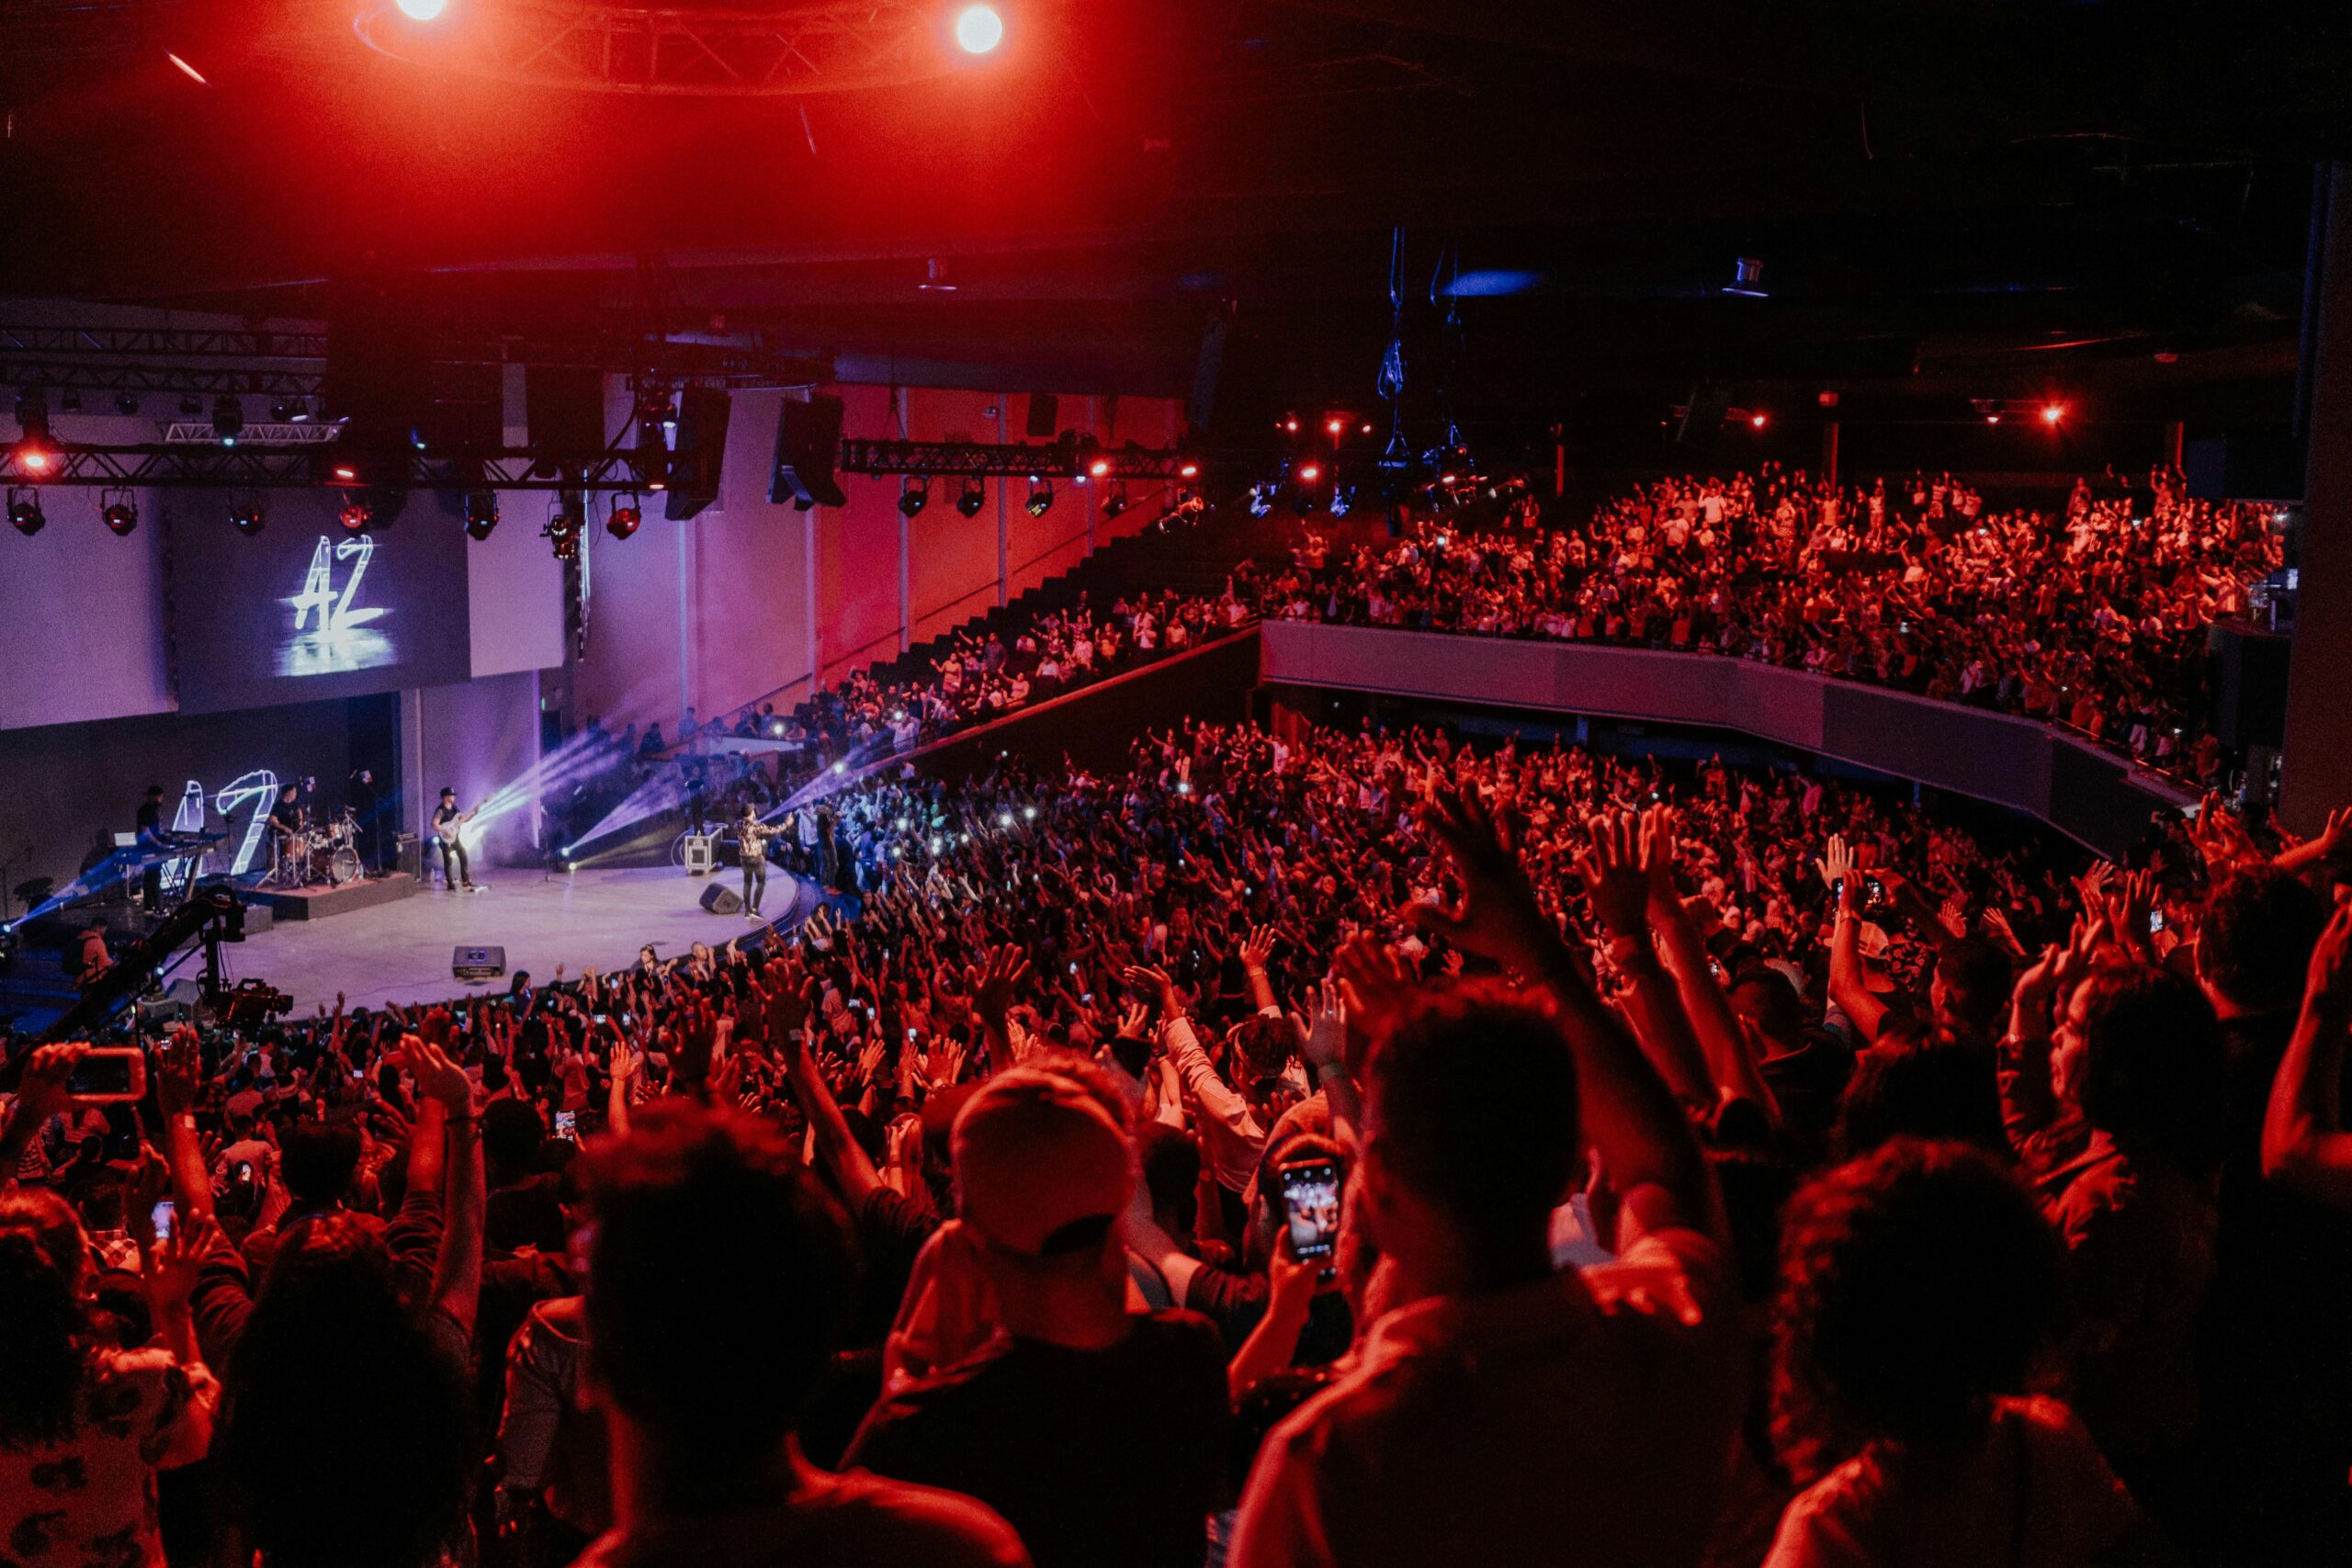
x: 1951, y: 198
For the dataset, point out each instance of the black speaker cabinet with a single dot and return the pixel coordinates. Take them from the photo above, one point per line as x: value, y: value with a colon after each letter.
x: 721, y: 899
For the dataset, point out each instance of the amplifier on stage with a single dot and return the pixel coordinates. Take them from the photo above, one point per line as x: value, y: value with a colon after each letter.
x: 701, y: 854
x: 471, y: 963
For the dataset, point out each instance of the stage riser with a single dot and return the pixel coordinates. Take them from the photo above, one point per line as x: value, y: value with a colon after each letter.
x: 326, y: 903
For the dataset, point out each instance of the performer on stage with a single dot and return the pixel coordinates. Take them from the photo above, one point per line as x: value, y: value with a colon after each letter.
x: 751, y: 839
x: 153, y: 845
x: 367, y: 804
x: 448, y: 826
x: 285, y: 821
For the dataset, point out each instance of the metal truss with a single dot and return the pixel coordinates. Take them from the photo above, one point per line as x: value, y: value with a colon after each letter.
x: 772, y: 49
x: 246, y: 466
x: 292, y: 363
x: 1056, y: 460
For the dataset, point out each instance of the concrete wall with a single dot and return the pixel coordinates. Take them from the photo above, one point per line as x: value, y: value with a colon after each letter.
x: 2091, y: 793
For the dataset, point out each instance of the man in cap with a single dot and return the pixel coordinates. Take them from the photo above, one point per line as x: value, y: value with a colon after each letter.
x: 1096, y: 1431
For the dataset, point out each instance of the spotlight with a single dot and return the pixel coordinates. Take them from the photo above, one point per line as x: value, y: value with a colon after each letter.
x: 35, y: 450
x: 1100, y: 467
x: 354, y: 516
x: 1335, y: 425
x: 119, y: 511
x: 23, y: 511
x: 1004, y: 818
x: 245, y: 517
x: 628, y: 512
x: 1757, y: 419
x: 1308, y: 473
x: 1115, y: 501
x: 913, y: 496
x: 346, y: 472
x: 977, y: 28
x: 1028, y: 814
x: 2052, y: 412
x: 228, y: 419
x: 36, y: 460
x: 481, y: 514
x: 1991, y: 419
x: 1188, y: 470
x: 300, y: 412
x: 126, y: 404
x: 975, y: 496
x: 1041, y: 499
x: 423, y: 10
x: 1290, y: 425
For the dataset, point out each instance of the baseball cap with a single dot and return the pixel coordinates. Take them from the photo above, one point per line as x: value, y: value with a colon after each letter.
x: 1041, y: 1168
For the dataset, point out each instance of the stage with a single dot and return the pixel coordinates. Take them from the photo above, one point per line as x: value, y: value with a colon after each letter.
x: 400, y: 951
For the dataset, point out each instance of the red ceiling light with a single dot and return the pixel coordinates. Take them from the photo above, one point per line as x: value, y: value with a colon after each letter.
x: 423, y: 10
x: 1310, y: 474
x: 1188, y: 471
x: 1757, y: 419
x: 1100, y: 467
x: 1335, y: 426
x: 346, y: 473
x: 1991, y: 419
x: 1291, y: 424
x: 1367, y: 427
x: 34, y: 459
x: 2052, y: 412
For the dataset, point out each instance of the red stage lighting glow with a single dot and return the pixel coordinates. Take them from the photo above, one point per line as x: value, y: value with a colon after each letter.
x: 1310, y: 474
x: 192, y: 74
x: 1991, y: 419
x: 1291, y: 425
x: 2052, y: 412
x: 33, y: 460
x: 1189, y: 471
x: 1367, y: 427
x: 1757, y: 419
x: 1099, y: 467
x: 978, y: 28
x: 346, y: 473
x: 1335, y: 426
x: 423, y: 10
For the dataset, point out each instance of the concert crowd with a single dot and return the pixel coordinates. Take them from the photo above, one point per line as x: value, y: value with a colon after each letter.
x: 2092, y: 617
x: 1303, y: 1146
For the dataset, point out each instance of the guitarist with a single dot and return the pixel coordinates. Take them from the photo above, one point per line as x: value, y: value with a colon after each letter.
x: 448, y: 824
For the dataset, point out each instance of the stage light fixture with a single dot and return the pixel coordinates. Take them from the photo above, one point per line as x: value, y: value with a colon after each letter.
x: 914, y: 494
x: 345, y: 471
x: 23, y: 511
x: 975, y: 496
x: 1308, y: 473
x: 354, y: 516
x: 1290, y: 425
x: 126, y: 404
x: 2052, y: 412
x: 228, y: 419
x: 1188, y: 470
x: 1099, y: 468
x: 1115, y: 501
x: 979, y: 28
x: 1757, y: 419
x: 35, y: 459
x: 281, y: 412
x: 246, y: 516
x: 1041, y: 499
x: 423, y: 10
x: 481, y: 514
x: 300, y: 414
x: 627, y: 513
x: 1335, y: 425
x: 119, y: 511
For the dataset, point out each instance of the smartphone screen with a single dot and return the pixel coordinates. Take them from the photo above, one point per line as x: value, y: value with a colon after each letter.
x: 106, y: 1074
x: 1311, y: 1208
x: 565, y: 1121
x: 601, y: 1017
x: 2156, y: 921
x: 163, y: 1216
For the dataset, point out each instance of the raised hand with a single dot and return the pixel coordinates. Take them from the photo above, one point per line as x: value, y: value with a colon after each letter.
x: 179, y: 1072
x: 1498, y: 917
x: 1258, y: 947
x: 1325, y: 1041
x: 42, y: 1093
x: 171, y: 1265
x: 1837, y: 864
x: 1006, y: 967
x: 2330, y: 976
x: 1616, y: 875
x: 438, y: 1077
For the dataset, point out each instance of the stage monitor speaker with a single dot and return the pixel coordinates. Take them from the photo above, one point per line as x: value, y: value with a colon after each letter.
x: 1045, y: 414
x: 721, y: 899
x: 807, y: 438
x: 698, y: 456
x: 2249, y: 684
x: 478, y: 963
x: 565, y: 406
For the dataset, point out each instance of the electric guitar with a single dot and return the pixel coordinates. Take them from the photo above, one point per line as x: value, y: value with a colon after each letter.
x: 448, y: 833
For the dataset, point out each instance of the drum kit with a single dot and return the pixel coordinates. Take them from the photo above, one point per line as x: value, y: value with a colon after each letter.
x: 327, y: 854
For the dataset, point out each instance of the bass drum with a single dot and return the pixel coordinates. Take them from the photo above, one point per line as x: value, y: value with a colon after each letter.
x: 343, y: 866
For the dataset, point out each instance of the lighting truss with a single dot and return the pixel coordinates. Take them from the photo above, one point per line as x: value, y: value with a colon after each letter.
x: 1059, y: 459
x: 165, y: 466
x: 773, y: 50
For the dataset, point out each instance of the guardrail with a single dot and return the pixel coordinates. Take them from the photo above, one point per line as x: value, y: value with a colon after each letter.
x: 2089, y: 794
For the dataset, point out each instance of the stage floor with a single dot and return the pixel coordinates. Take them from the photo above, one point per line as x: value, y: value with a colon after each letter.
x: 399, y: 951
